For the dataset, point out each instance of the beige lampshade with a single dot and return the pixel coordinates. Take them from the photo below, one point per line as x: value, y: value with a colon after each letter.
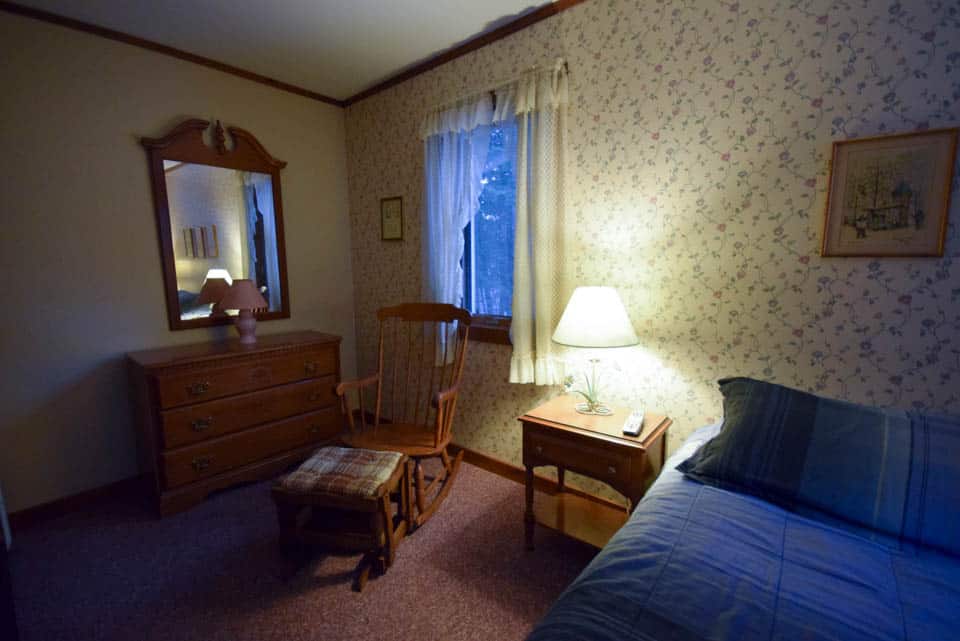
x: 243, y: 294
x: 213, y: 290
x: 595, y: 317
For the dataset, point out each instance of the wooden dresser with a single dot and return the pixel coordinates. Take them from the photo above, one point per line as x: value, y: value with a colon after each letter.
x: 215, y: 414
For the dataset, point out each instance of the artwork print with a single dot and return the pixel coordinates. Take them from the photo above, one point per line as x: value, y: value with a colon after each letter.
x: 889, y: 196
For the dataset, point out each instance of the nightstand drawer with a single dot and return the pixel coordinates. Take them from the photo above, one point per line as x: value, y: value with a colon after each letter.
x: 584, y: 455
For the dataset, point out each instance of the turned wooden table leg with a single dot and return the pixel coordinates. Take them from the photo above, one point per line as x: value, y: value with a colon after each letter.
x: 528, y: 520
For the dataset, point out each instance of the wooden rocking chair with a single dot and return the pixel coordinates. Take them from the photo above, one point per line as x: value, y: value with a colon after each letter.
x: 421, y: 354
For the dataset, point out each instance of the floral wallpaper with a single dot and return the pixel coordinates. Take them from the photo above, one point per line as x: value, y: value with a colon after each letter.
x: 700, y: 137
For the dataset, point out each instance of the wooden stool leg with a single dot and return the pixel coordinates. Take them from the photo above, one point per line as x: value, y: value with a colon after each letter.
x: 363, y: 570
x: 287, y: 518
x: 407, y: 495
x: 389, y: 540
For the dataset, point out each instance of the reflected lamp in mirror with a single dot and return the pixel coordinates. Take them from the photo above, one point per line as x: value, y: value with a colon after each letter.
x: 213, y: 290
x: 244, y: 296
x: 220, y: 273
x: 594, y: 318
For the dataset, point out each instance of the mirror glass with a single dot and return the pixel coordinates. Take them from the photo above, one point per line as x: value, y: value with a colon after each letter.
x: 219, y: 211
x: 223, y: 226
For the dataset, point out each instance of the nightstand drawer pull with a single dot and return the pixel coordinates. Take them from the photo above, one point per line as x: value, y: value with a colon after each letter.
x: 201, y: 424
x: 315, y: 396
x: 196, y: 389
x: 314, y: 429
x: 310, y: 368
x: 611, y: 469
x: 201, y: 463
x: 539, y: 449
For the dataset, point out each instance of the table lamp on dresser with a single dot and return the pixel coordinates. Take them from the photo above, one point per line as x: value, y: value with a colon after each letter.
x: 594, y: 318
x: 244, y: 296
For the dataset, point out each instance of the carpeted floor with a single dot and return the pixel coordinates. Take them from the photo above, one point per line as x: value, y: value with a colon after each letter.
x: 214, y: 572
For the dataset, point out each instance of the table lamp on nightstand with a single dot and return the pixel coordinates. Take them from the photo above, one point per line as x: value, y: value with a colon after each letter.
x: 594, y: 317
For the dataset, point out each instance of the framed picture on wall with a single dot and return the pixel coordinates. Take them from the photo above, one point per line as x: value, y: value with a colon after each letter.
x: 890, y: 195
x: 391, y: 218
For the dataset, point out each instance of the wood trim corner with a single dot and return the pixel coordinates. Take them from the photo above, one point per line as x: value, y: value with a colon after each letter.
x: 477, y: 42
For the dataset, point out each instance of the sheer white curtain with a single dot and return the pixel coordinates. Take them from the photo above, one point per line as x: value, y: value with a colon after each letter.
x: 262, y: 186
x: 540, y: 104
x: 456, y: 139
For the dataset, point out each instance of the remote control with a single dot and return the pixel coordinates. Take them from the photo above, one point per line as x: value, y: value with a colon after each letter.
x: 634, y: 423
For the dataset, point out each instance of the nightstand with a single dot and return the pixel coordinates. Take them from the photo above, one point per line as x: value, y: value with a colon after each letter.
x: 594, y: 446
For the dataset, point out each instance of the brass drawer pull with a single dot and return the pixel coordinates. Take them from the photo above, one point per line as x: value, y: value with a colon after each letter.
x: 539, y: 449
x: 310, y: 368
x: 196, y: 389
x: 611, y: 469
x: 201, y: 424
x: 201, y: 463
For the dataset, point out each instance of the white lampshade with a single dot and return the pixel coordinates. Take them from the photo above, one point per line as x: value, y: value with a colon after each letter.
x: 220, y: 273
x: 595, y: 317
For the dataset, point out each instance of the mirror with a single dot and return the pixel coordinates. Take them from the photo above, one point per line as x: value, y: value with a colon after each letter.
x: 219, y: 218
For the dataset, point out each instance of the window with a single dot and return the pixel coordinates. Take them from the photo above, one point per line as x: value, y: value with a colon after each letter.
x: 488, y: 238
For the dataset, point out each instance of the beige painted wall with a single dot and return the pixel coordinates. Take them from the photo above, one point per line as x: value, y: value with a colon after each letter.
x: 78, y: 248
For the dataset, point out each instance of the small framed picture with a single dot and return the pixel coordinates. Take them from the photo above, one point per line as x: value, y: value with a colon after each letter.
x: 890, y: 195
x: 391, y: 218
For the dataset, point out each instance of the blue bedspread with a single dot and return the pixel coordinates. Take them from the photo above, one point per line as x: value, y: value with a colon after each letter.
x: 696, y: 562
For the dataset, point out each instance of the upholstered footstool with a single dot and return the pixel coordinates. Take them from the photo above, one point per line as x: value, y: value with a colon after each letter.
x: 342, y: 498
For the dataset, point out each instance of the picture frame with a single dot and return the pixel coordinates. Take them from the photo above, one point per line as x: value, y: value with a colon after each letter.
x: 391, y: 218
x: 890, y: 195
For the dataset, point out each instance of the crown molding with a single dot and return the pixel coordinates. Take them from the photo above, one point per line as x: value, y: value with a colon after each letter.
x: 150, y: 45
x: 482, y: 40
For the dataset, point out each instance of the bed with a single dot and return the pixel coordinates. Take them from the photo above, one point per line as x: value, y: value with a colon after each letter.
x: 697, y: 562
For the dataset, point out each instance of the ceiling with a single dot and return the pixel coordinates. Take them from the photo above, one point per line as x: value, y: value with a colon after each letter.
x: 333, y: 47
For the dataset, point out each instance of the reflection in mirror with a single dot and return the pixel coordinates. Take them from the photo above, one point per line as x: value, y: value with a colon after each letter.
x: 223, y: 227
x: 219, y: 216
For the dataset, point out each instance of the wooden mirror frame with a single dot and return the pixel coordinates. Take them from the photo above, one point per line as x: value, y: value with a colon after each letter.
x: 185, y: 143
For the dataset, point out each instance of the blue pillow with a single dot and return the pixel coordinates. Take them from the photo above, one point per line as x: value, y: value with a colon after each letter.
x: 893, y: 472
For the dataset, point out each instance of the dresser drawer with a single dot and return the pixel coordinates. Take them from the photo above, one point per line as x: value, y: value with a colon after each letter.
x: 583, y: 455
x: 212, y: 457
x: 204, y: 384
x: 194, y: 423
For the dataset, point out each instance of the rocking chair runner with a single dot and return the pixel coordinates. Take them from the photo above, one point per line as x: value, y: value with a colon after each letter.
x: 421, y: 355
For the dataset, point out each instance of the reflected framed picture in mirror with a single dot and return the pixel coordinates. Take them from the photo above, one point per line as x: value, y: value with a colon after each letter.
x: 219, y: 217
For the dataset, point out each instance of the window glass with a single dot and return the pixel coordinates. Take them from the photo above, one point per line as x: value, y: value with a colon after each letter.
x: 488, y: 254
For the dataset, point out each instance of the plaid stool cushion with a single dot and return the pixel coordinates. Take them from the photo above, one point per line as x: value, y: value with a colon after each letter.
x: 343, y: 471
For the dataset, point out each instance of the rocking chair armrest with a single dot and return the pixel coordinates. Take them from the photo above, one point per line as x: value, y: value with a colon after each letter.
x: 358, y: 383
x: 445, y: 395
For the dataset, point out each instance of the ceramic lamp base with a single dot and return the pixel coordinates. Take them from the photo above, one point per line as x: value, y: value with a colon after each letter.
x: 247, y: 327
